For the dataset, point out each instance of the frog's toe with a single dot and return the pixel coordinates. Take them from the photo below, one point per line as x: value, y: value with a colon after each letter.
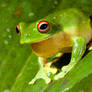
x: 90, y: 48
x: 58, y: 76
x: 43, y: 73
x: 40, y: 75
x: 49, y: 69
x: 65, y: 68
x: 64, y: 71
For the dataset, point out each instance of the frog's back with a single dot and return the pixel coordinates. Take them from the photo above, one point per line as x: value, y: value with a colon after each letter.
x: 74, y: 22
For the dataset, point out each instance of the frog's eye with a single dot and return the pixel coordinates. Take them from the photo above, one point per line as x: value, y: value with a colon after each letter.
x: 43, y: 26
x: 18, y: 29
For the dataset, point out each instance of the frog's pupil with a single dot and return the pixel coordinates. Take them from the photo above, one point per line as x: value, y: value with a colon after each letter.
x: 17, y: 30
x: 43, y: 26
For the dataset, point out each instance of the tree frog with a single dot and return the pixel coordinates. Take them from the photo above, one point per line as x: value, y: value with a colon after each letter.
x: 60, y: 32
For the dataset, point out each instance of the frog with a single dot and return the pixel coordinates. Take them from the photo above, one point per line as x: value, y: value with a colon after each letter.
x: 60, y: 32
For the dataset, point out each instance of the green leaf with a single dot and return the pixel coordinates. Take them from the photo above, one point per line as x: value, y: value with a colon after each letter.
x: 84, y: 85
x: 18, y: 64
x: 84, y: 5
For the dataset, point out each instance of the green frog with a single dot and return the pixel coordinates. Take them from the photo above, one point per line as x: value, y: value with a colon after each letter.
x: 61, y: 32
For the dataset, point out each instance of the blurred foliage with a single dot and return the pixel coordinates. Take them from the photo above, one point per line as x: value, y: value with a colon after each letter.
x: 84, y: 5
x: 18, y: 64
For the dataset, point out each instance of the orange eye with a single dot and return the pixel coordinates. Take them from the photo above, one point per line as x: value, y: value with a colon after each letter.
x: 18, y: 29
x: 43, y: 26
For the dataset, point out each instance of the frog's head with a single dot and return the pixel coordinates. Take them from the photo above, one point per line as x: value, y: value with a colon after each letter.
x: 36, y: 31
x: 71, y: 21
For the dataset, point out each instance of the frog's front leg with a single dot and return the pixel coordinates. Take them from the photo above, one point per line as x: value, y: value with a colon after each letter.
x: 78, y: 49
x: 45, y: 69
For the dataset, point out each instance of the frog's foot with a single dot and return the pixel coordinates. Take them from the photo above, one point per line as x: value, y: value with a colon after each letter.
x: 48, y: 69
x: 43, y: 73
x: 64, y: 71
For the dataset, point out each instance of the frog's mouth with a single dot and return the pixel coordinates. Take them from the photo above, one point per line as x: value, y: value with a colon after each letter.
x: 60, y: 35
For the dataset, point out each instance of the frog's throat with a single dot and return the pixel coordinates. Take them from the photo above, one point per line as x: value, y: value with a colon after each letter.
x: 50, y: 46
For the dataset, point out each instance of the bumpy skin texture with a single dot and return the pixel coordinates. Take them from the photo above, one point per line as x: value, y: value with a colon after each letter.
x: 68, y: 28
